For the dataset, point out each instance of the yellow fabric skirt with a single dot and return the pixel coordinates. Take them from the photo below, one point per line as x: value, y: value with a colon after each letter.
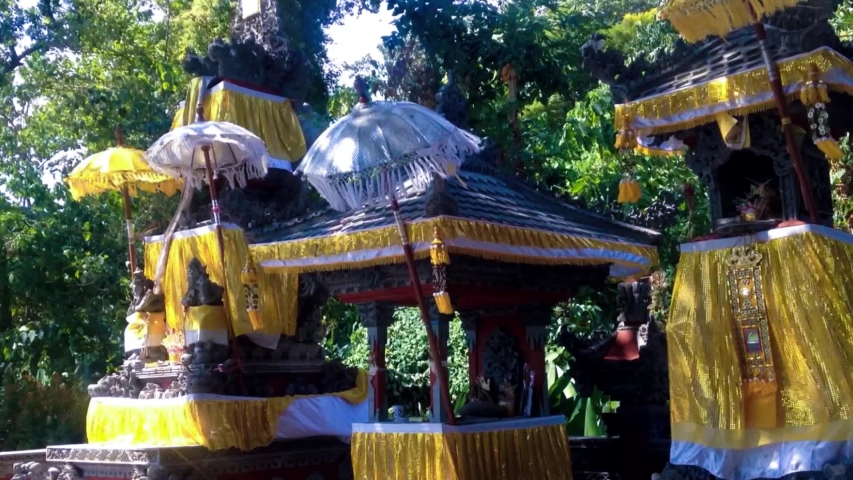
x: 500, y: 451
x: 278, y: 290
x: 807, y: 282
x: 215, y: 422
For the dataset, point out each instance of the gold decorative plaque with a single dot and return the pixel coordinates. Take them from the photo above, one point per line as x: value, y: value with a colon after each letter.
x: 750, y: 313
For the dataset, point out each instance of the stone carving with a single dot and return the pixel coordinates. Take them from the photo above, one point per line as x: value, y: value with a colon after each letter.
x: 201, y: 290
x: 124, y: 384
x: 144, y: 300
x: 501, y: 358
x: 143, y: 297
x: 30, y: 471
x: 633, y: 299
x: 204, y: 353
x: 452, y: 103
x: 496, y: 393
x: 208, y: 378
x: 440, y: 201
x: 260, y: 53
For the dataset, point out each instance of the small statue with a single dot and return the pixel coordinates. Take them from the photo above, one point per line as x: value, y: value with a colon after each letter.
x: 143, y: 297
x: 452, y: 104
x: 201, y: 290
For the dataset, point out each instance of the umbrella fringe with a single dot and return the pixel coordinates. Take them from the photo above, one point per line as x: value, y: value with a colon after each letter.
x: 351, y: 191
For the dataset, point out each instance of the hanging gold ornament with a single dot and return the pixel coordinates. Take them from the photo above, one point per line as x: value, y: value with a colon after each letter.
x: 252, y: 292
x: 440, y: 260
x: 626, y: 141
x: 815, y: 95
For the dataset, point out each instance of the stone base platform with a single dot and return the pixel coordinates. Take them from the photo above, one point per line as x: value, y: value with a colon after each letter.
x: 303, y: 459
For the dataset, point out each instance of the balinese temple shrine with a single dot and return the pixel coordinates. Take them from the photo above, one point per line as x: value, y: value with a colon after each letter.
x: 226, y: 377
x: 758, y: 339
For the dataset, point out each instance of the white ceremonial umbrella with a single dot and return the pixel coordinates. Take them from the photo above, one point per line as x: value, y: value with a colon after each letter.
x: 376, y: 150
x: 199, y: 153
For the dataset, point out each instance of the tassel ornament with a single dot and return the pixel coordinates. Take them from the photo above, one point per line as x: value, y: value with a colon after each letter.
x: 626, y: 138
x: 629, y: 191
x: 440, y: 259
x: 252, y: 292
x: 815, y: 95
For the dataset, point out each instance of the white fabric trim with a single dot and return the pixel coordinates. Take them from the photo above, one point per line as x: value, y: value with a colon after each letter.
x: 232, y: 87
x: 215, y: 336
x: 443, y: 428
x: 194, y: 232
x: 769, y: 461
x: 264, y: 339
x: 766, y: 236
x: 833, y: 76
x: 322, y: 415
x: 131, y: 342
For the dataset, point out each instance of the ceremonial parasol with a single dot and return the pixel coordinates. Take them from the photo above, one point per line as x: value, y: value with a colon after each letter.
x: 697, y: 19
x: 124, y: 170
x: 378, y: 149
x: 202, y: 151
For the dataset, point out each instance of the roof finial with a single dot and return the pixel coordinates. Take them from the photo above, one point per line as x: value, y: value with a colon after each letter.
x: 119, y: 136
x: 361, y: 87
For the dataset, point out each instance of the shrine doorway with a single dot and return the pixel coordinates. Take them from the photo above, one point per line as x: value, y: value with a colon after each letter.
x: 743, y: 170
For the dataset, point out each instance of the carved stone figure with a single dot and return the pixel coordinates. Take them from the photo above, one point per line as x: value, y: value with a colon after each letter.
x: 201, y: 290
x: 440, y: 201
x: 633, y: 299
x: 452, y: 103
x: 124, y: 384
x: 143, y: 298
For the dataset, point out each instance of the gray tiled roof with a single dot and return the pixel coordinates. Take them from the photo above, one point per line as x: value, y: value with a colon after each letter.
x: 489, y: 196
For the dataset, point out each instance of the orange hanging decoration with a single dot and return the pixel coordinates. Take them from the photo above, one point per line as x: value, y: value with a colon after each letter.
x: 440, y: 259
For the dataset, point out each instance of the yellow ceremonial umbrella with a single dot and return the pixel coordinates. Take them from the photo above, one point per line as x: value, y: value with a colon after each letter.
x: 124, y: 170
x: 696, y: 20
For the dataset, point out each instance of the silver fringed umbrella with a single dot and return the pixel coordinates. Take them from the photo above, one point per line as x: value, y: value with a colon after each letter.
x: 378, y: 149
x: 369, y: 154
x: 199, y: 153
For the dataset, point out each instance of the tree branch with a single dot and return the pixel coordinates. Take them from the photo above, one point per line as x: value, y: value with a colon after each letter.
x: 17, y: 59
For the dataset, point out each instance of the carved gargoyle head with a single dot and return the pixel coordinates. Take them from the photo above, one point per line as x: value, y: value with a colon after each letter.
x: 201, y: 290
x: 633, y: 299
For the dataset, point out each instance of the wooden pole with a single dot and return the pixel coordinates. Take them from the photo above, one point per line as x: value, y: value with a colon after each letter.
x: 128, y: 220
x: 220, y: 240
x: 434, y: 352
x: 782, y: 107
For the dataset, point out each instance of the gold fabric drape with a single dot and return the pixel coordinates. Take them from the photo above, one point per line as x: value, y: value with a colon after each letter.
x: 808, y: 287
x: 278, y: 291
x: 696, y: 20
x: 540, y: 453
x: 237, y: 422
x: 274, y: 121
x: 692, y: 105
x: 522, y: 245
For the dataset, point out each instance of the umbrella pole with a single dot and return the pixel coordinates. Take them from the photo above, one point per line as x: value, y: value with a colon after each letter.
x: 220, y: 240
x: 782, y: 106
x: 440, y: 375
x: 128, y: 220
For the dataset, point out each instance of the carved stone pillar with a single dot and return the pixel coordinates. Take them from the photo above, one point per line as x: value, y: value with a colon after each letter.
x: 377, y: 317
x: 441, y: 328
x: 536, y: 325
x: 470, y: 321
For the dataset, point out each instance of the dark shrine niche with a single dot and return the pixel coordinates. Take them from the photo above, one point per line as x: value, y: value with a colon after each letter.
x: 501, y: 358
x: 739, y: 174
